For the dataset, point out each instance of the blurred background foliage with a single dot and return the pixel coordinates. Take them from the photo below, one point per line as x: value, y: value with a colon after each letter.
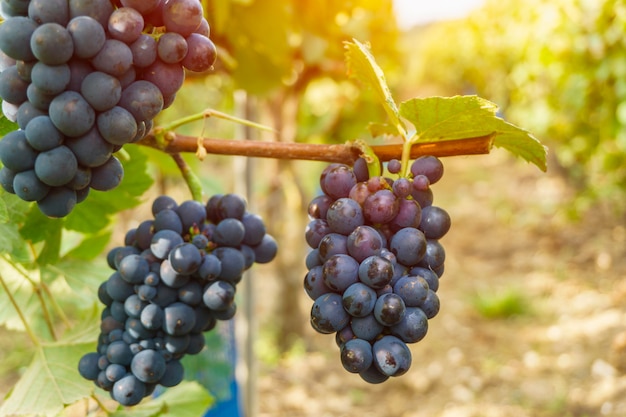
x: 557, y: 68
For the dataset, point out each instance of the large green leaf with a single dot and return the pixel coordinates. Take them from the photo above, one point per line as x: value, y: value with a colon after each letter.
x: 50, y: 382
x: 189, y: 399
x: 447, y: 118
x: 363, y: 67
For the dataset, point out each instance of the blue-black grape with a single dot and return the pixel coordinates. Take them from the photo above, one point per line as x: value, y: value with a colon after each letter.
x: 71, y: 114
x: 28, y: 187
x: 102, y: 91
x: 52, y: 44
x: 57, y: 166
x: 107, y: 176
x: 50, y: 79
x: 15, y: 35
x: 148, y: 366
x: 15, y: 152
x: 58, y: 202
x: 129, y: 390
x: 13, y: 89
x: 328, y: 314
x: 356, y: 355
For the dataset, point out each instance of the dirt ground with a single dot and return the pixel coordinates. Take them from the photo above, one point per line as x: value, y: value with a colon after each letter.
x: 563, y: 354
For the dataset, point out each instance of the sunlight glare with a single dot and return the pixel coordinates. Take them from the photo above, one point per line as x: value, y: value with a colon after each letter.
x: 415, y: 12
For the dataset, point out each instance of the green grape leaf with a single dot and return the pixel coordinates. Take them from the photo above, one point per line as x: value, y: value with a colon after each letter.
x: 188, y: 399
x: 362, y: 66
x: 448, y: 118
x: 50, y: 382
x: 90, y: 247
x: 16, y: 207
x: 37, y: 228
x: 10, y: 240
x: 94, y: 214
x: 6, y: 126
x: 82, y: 276
x: 22, y: 292
x: 4, y: 212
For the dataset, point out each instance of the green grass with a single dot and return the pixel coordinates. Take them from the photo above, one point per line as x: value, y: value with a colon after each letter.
x: 501, y: 303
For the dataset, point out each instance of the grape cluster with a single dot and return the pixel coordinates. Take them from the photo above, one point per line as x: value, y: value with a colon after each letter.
x: 82, y: 79
x: 174, y: 278
x: 375, y: 263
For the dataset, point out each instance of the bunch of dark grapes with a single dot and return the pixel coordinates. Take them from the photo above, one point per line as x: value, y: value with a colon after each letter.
x: 375, y: 263
x: 174, y: 278
x: 82, y: 79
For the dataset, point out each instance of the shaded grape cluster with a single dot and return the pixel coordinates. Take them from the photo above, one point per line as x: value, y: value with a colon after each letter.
x: 82, y: 79
x: 375, y: 263
x: 174, y: 278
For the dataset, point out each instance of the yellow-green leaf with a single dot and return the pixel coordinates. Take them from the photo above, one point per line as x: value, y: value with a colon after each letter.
x: 448, y: 118
x: 362, y: 66
x: 50, y: 382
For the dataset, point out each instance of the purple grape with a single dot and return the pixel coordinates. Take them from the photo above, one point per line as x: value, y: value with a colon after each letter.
x: 435, y: 255
x: 381, y: 207
x: 344, y: 215
x: 356, y: 355
x: 402, y: 187
x: 315, y: 231
x: 366, y: 327
x: 318, y: 207
x: 430, y: 166
x: 412, y: 289
x: 332, y: 244
x: 435, y: 222
x: 431, y: 305
x: 409, y: 246
x: 409, y: 215
x: 314, y: 285
x: 340, y: 271
x: 359, y: 299
x: 125, y: 24
x: 328, y: 315
x: 338, y: 181
x: 363, y: 242
x: 359, y: 193
x: 360, y: 170
x: 392, y: 357
x: 413, y: 326
x: 201, y: 54
x: 375, y: 271
x: 389, y: 309
x: 182, y: 16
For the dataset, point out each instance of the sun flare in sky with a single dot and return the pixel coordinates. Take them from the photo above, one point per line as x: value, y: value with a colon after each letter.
x: 413, y: 12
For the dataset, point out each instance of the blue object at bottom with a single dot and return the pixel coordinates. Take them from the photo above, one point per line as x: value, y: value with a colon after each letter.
x: 227, y: 408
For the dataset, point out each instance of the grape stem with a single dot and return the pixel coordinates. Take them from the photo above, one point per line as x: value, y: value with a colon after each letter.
x: 342, y: 153
x: 193, y: 182
x: 212, y: 113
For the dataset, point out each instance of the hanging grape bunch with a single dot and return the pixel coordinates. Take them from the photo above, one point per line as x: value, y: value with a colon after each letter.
x: 375, y: 263
x: 174, y: 278
x: 84, y: 78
